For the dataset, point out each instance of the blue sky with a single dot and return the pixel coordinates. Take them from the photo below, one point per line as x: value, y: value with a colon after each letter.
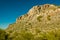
x: 12, y: 9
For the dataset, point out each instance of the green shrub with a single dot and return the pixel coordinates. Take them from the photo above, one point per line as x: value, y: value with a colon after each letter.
x: 2, y: 35
x: 58, y: 6
x: 39, y: 18
x: 48, y: 17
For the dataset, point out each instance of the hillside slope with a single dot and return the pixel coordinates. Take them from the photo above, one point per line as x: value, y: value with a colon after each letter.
x: 39, y: 19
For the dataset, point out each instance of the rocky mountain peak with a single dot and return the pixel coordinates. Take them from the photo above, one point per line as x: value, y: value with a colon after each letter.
x: 46, y: 9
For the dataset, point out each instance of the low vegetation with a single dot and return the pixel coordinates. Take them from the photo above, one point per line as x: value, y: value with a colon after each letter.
x: 24, y: 35
x: 3, y: 35
x: 39, y: 18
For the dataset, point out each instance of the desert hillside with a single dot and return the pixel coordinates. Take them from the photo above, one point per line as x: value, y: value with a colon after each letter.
x: 41, y: 22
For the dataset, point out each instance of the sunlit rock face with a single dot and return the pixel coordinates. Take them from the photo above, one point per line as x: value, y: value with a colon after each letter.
x: 42, y: 17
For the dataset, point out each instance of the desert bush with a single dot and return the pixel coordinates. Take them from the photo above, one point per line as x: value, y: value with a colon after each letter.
x: 39, y: 18
x: 22, y: 35
x: 3, y: 35
x: 48, y: 17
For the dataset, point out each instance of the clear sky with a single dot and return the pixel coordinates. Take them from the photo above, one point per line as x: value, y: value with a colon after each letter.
x: 12, y: 9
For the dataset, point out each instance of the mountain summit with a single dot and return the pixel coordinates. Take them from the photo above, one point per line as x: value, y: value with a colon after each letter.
x: 39, y: 19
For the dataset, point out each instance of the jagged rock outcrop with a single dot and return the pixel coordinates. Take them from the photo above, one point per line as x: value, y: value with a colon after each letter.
x: 41, y: 18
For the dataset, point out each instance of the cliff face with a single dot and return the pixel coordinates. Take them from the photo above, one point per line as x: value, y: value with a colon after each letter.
x: 42, y: 17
